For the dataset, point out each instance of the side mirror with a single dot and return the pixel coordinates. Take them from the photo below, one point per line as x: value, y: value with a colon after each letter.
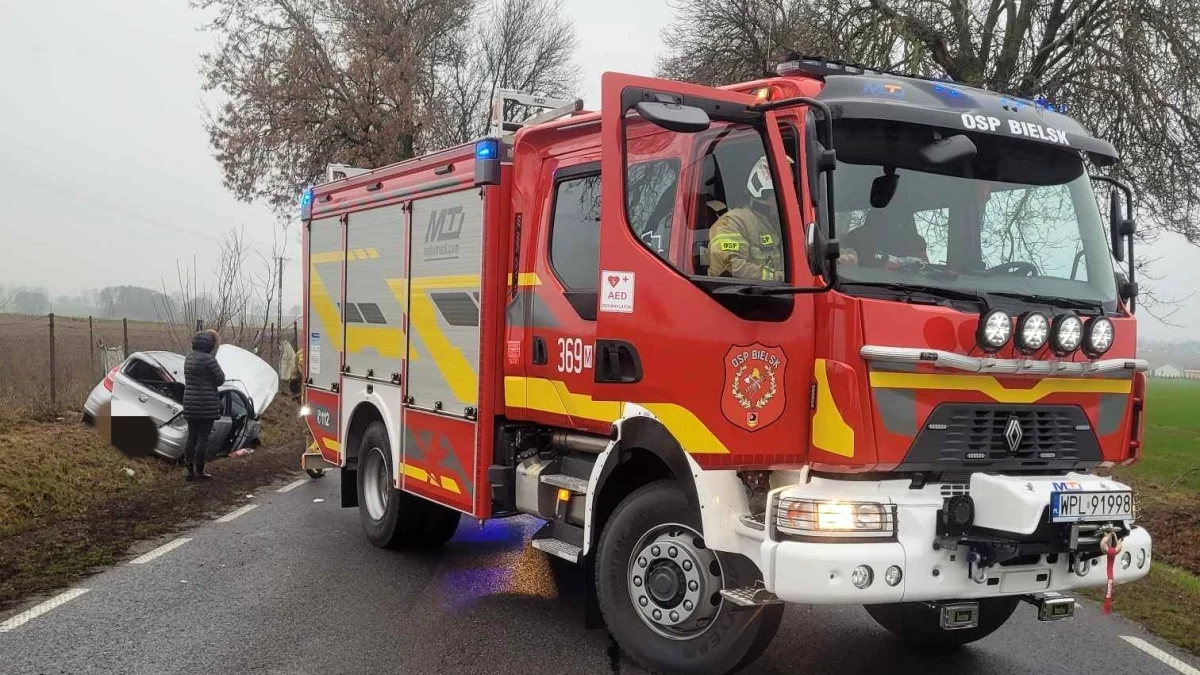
x: 1115, y: 222
x: 684, y: 119
x: 953, y: 149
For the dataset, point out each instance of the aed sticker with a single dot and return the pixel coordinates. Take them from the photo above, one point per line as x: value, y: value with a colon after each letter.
x: 1015, y: 128
x: 314, y: 354
x: 616, y: 291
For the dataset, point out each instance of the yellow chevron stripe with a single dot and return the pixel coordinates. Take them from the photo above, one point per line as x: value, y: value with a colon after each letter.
x: 414, y: 472
x: 332, y: 444
x: 991, y: 387
x: 339, y: 256
x: 829, y: 429
x: 325, y: 308
x: 553, y: 396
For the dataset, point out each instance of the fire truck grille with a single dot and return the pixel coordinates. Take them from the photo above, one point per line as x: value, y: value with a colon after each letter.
x: 975, y: 437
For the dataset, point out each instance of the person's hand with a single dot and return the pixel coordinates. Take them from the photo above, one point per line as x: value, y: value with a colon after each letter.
x: 848, y: 257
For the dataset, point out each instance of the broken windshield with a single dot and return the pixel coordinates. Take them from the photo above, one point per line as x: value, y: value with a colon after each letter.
x: 1015, y: 218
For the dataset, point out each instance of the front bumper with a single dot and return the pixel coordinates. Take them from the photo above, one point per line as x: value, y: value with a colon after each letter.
x: 933, y: 568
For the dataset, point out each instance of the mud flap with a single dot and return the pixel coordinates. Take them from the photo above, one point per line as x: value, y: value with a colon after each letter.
x: 349, y: 488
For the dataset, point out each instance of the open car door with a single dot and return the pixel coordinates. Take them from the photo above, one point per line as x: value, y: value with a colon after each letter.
x: 718, y: 370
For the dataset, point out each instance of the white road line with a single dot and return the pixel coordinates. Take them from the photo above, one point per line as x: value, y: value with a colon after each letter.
x: 234, y: 514
x: 1161, y: 655
x: 292, y: 486
x: 35, y: 612
x: 165, y: 548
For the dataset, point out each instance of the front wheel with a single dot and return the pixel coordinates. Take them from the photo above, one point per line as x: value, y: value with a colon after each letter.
x: 658, y: 587
x: 918, y: 624
x: 393, y: 518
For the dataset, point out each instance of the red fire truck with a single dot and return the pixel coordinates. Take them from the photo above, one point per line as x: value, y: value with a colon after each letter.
x: 832, y: 337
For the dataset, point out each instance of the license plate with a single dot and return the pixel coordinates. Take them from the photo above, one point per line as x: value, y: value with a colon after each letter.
x: 1073, y: 507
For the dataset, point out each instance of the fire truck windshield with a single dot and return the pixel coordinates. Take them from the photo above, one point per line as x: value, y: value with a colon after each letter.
x: 1016, y: 218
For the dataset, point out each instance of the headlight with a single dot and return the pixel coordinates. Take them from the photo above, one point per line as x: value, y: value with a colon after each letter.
x: 828, y: 518
x: 1098, y: 336
x: 1066, y: 333
x: 995, y: 328
x: 1032, y: 331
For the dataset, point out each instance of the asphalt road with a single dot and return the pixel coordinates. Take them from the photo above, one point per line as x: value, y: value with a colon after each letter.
x: 292, y: 587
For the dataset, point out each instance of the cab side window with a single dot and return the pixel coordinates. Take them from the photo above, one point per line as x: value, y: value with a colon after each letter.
x: 575, y: 232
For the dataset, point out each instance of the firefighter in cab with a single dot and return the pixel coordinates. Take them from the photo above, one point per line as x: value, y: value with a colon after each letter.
x: 746, y: 243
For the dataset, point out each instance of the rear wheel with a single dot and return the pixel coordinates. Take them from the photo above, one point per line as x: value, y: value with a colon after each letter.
x: 918, y: 624
x: 393, y: 518
x: 315, y: 473
x: 658, y: 587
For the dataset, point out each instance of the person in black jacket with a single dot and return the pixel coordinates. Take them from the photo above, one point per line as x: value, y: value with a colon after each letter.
x: 201, y: 404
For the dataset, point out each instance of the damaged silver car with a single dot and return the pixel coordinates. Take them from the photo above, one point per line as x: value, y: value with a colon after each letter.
x: 151, y: 384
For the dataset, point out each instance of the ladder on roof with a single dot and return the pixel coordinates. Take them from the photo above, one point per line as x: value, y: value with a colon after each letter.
x: 341, y: 172
x: 553, y: 108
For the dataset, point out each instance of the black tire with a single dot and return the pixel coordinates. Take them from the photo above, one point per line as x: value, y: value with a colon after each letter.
x: 405, y: 520
x: 918, y: 624
x: 315, y: 473
x: 733, y: 638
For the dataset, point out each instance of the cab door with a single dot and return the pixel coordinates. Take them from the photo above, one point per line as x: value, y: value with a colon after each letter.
x: 727, y: 374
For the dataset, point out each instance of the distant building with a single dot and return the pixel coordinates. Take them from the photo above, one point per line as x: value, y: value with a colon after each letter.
x: 1192, y: 374
x: 1168, y: 372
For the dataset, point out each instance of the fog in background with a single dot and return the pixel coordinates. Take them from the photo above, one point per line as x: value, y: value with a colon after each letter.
x: 106, y: 177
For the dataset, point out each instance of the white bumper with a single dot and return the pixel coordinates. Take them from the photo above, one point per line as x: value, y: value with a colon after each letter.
x: 820, y: 572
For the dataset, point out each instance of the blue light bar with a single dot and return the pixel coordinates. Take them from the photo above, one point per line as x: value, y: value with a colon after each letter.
x: 488, y: 148
x: 306, y: 201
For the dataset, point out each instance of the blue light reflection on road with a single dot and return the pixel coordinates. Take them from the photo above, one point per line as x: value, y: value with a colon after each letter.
x: 495, y: 560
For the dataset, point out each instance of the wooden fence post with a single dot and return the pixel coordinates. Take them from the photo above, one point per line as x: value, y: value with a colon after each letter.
x: 53, y: 364
x: 91, y: 349
x: 125, y: 336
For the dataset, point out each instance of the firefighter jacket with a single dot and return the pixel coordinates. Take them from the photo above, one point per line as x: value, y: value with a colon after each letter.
x: 745, y: 244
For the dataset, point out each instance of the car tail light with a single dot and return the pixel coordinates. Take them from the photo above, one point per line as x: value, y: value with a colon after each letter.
x: 108, y: 379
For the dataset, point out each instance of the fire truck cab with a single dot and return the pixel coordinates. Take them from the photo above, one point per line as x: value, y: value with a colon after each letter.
x: 832, y: 337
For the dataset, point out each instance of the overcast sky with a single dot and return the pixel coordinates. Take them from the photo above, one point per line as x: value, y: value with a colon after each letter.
x: 106, y: 177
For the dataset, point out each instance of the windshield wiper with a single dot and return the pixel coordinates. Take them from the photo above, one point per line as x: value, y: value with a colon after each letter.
x: 1052, y: 300
x: 936, y: 291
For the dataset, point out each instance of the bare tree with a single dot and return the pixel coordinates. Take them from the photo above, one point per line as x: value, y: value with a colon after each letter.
x: 315, y: 81
x: 364, y: 82
x: 1125, y: 68
x: 238, y: 302
x: 526, y: 45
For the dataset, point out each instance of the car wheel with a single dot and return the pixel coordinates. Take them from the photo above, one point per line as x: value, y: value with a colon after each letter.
x: 919, y: 624
x: 387, y: 514
x: 658, y: 587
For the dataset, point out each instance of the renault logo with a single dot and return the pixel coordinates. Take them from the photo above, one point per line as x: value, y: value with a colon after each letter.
x: 1013, y: 434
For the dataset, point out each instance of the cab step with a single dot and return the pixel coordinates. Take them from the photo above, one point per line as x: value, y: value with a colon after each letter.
x: 571, y: 483
x: 750, y: 596
x: 560, y: 539
x: 558, y: 548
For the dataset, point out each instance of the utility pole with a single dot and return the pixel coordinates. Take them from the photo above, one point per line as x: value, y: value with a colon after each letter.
x: 279, y: 293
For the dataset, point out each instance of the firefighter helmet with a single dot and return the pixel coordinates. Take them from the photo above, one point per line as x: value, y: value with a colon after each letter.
x: 759, y: 180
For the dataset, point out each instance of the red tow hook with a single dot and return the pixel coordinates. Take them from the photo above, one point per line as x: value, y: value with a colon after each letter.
x: 1111, y: 546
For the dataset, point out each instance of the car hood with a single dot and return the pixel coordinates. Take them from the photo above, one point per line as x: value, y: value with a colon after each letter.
x: 251, y: 375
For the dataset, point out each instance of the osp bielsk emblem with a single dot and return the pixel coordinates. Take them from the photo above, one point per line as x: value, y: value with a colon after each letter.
x: 753, y: 396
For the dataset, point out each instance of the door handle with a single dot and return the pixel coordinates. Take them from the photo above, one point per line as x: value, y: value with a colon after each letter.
x: 541, y: 355
x: 618, y: 362
x: 143, y: 398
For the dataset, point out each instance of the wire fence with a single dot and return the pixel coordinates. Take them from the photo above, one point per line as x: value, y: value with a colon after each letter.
x: 49, y: 364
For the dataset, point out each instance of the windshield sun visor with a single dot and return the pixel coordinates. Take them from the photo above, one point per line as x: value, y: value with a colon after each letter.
x: 960, y: 108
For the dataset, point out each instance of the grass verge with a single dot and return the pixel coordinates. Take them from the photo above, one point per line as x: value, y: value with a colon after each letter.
x: 69, y: 503
x: 1166, y: 602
